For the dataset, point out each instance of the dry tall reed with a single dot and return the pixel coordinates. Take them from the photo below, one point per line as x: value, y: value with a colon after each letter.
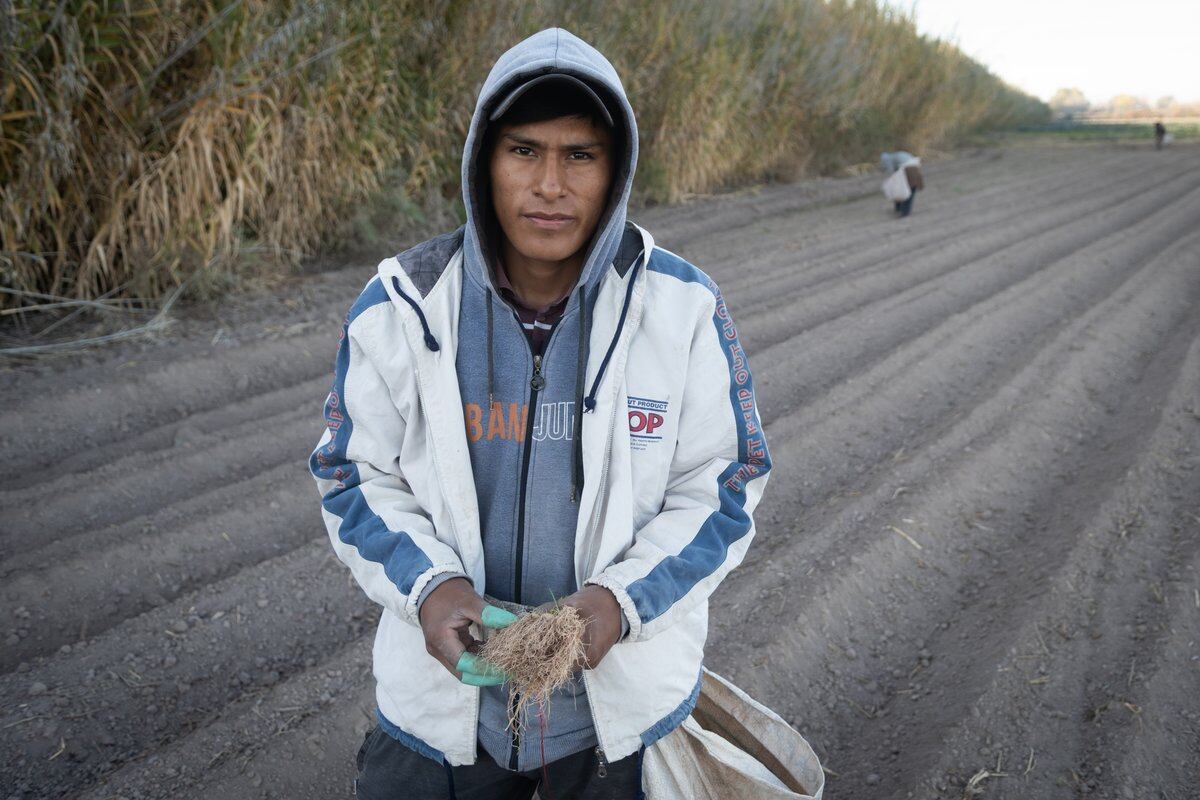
x: 145, y: 142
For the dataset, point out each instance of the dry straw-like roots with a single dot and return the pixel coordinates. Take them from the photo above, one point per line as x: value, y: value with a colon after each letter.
x: 540, y: 651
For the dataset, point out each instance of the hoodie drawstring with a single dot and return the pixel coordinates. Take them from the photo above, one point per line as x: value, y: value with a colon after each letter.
x: 430, y: 342
x: 589, y: 402
x: 490, y: 350
x: 580, y: 367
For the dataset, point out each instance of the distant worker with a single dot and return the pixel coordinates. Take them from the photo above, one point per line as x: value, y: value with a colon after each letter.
x: 904, y: 179
x: 1160, y: 133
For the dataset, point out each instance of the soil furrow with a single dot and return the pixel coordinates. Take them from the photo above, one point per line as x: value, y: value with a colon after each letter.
x: 961, y: 496
x: 1102, y: 623
x: 978, y: 551
x: 157, y: 676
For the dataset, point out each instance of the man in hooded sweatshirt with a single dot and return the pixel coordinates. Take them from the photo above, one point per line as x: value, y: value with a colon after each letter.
x: 542, y: 406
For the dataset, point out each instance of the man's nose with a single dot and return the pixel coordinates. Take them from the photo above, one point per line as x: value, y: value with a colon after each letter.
x: 549, y: 181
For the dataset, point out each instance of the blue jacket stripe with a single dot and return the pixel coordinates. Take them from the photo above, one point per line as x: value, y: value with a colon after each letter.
x: 403, y: 561
x: 673, y: 577
x: 673, y: 720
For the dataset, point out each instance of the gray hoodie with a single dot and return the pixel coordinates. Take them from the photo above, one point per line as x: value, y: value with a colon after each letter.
x: 522, y: 427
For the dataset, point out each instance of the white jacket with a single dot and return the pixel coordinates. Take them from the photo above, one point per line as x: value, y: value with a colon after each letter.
x: 660, y: 523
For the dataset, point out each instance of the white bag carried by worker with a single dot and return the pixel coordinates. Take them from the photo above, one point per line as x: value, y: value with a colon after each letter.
x: 896, y: 188
x: 731, y: 747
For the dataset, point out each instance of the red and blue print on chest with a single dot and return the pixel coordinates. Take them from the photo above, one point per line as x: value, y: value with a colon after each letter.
x: 646, y: 420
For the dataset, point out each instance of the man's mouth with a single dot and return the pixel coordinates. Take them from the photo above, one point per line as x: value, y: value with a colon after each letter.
x: 549, y: 221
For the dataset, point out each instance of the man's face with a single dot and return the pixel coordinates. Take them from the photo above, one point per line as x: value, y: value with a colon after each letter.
x: 550, y: 183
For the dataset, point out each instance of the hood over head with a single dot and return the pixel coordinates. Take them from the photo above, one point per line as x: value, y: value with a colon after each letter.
x: 551, y: 51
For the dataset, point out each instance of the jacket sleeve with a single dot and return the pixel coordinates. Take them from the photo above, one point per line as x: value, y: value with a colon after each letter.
x: 717, y: 475
x: 377, y: 526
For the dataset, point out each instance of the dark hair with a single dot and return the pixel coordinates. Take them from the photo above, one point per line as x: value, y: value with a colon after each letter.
x: 546, y: 101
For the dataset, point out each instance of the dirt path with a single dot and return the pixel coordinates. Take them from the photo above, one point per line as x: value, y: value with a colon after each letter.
x: 979, y: 552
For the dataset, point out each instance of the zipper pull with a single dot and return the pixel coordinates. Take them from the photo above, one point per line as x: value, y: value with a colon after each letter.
x: 602, y: 769
x: 538, y: 382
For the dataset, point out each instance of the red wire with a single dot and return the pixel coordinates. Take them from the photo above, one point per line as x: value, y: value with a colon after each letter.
x: 542, y: 742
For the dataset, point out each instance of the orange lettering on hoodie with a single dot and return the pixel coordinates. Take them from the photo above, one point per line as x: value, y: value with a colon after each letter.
x: 500, y: 425
x: 474, y: 417
x: 518, y: 432
x: 496, y: 423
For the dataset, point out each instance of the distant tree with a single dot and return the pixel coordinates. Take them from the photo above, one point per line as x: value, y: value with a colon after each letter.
x: 1125, y: 103
x: 1069, y: 101
x: 1164, y: 103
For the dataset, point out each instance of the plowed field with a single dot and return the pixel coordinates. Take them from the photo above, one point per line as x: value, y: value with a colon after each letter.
x: 977, y: 562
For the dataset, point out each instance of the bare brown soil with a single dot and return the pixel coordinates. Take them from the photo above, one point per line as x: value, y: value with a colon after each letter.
x: 977, y: 567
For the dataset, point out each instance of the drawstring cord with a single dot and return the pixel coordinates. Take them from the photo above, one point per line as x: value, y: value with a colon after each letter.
x: 589, y: 402
x: 491, y: 361
x: 430, y: 342
x: 580, y: 368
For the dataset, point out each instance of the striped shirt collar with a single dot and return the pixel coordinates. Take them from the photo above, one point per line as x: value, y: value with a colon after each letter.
x: 506, y: 289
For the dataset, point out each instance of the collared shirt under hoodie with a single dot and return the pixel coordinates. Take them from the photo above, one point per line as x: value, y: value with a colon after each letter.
x: 537, y: 322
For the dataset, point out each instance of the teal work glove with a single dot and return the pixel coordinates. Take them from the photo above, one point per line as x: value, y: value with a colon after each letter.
x: 477, y: 670
x: 446, y: 615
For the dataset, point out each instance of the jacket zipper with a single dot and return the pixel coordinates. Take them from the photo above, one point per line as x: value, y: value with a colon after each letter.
x: 602, y: 762
x: 603, y: 474
x: 536, y: 384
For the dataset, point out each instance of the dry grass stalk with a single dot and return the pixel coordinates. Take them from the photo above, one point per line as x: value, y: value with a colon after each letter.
x: 143, y: 143
x: 540, y: 651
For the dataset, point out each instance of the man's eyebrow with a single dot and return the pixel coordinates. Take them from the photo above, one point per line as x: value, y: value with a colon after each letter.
x: 526, y: 141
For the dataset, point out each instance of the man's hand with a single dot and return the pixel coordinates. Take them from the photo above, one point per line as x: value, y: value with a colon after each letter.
x: 602, y: 613
x: 446, y: 615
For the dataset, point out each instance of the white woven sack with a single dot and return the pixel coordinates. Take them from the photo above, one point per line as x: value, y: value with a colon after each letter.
x: 731, y: 747
x: 895, y: 188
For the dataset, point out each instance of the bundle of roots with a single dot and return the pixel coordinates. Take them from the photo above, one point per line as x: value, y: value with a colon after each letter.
x: 539, y: 651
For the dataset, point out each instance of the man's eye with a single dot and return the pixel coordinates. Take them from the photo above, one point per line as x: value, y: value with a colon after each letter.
x: 522, y: 151
x: 586, y: 156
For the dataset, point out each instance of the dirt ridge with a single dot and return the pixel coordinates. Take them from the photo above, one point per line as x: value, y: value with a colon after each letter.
x: 983, y: 526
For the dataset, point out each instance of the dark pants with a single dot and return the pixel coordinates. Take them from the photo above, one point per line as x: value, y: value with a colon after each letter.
x: 904, y: 207
x: 388, y: 770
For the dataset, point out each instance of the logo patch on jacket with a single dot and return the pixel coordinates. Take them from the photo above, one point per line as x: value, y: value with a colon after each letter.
x: 646, y: 417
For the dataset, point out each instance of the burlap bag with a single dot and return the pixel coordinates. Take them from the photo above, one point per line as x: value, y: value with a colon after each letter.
x: 895, y: 187
x: 731, y: 746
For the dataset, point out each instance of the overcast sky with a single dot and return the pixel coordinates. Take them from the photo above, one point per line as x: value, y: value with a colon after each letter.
x: 1148, y: 48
